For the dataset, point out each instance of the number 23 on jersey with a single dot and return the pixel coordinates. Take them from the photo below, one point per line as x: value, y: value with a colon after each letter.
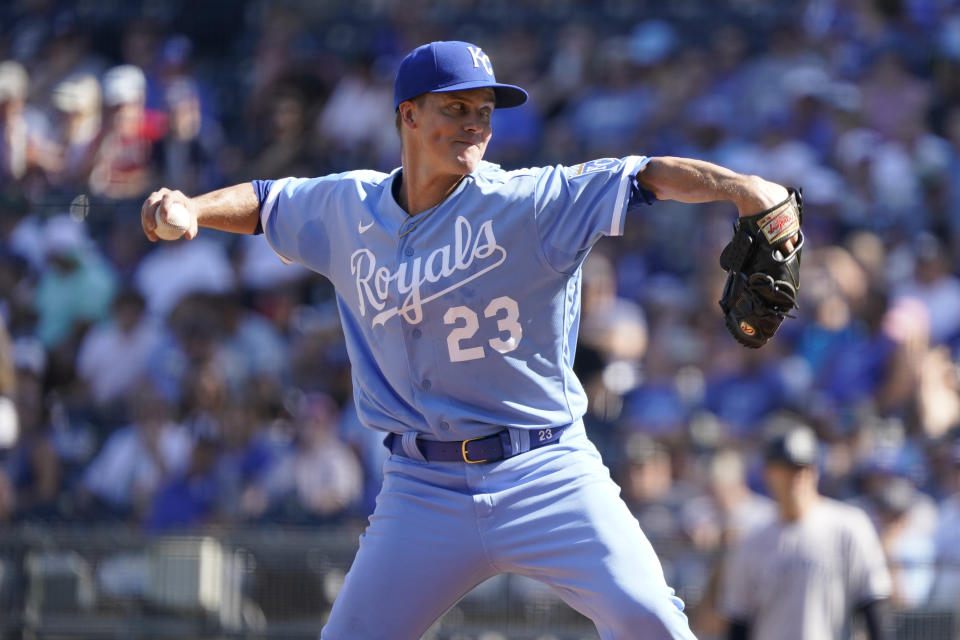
x: 461, y: 343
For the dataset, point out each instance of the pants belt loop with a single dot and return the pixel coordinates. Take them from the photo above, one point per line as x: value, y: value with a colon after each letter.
x: 409, y: 443
x: 519, y: 440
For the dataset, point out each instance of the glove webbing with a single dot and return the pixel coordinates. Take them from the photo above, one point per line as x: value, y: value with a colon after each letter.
x: 736, y: 253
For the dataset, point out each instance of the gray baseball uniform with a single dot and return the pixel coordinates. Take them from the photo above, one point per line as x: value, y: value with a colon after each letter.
x: 801, y: 580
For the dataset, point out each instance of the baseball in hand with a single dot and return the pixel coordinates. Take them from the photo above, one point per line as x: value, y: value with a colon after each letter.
x: 177, y: 223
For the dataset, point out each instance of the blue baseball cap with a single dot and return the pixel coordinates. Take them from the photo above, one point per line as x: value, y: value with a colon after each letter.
x: 441, y: 67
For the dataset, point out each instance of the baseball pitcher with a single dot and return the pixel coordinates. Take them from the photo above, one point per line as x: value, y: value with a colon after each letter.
x: 458, y: 286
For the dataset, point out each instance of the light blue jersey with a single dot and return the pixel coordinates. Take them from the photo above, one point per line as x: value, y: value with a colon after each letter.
x: 459, y: 322
x: 463, y: 319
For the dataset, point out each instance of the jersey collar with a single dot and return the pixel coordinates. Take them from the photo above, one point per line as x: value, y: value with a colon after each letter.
x: 395, y: 218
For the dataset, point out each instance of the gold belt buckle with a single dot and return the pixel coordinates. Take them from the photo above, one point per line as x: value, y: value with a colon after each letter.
x: 463, y: 451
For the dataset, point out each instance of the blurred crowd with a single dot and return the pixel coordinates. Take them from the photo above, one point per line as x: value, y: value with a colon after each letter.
x: 202, y: 383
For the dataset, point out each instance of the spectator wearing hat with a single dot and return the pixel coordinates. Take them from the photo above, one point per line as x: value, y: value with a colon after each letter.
x: 123, y: 163
x: 77, y: 101
x: 808, y: 573
x: 76, y: 286
x: 24, y: 132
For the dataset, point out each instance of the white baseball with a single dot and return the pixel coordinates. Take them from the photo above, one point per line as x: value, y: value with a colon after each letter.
x: 177, y: 223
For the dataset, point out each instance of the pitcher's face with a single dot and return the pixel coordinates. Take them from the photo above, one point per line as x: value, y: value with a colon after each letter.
x: 452, y: 129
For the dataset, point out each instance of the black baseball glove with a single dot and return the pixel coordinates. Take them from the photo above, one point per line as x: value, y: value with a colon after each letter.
x: 762, y: 281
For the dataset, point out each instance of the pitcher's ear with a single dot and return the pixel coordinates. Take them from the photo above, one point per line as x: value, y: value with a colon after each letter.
x: 407, y: 111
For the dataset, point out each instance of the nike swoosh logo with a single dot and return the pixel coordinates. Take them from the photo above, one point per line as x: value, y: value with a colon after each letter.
x: 362, y: 228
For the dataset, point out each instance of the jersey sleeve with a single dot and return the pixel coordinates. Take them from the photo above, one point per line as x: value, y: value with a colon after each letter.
x: 868, y: 573
x: 576, y: 206
x: 293, y: 214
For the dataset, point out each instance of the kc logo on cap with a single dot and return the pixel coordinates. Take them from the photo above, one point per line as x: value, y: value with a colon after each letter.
x: 441, y: 67
x: 479, y: 57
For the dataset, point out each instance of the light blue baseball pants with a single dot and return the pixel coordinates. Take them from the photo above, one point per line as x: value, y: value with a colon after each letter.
x: 552, y: 514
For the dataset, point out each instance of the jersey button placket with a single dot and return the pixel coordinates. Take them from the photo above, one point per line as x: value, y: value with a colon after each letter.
x: 411, y: 335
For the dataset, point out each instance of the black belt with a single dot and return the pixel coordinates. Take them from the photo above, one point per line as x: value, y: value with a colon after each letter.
x: 475, y: 450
